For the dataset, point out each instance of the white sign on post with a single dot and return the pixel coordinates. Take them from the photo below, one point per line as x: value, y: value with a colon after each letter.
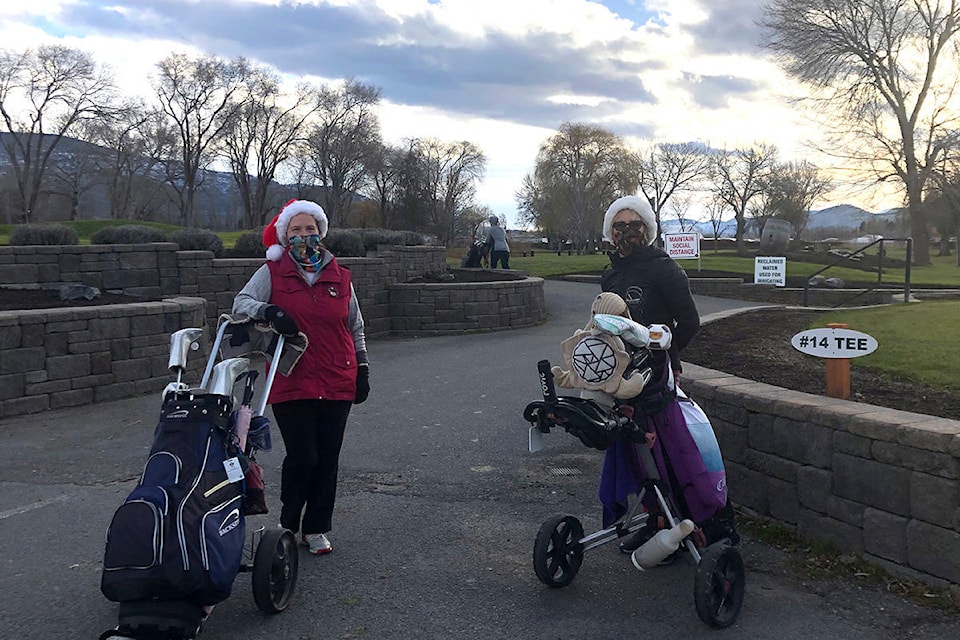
x: 834, y: 343
x: 682, y: 246
x: 770, y: 270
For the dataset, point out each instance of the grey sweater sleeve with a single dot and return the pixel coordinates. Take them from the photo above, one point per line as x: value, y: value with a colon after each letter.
x: 253, y: 299
x: 355, y: 323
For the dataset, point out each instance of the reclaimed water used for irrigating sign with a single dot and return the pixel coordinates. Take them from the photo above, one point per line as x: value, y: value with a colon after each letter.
x: 770, y: 270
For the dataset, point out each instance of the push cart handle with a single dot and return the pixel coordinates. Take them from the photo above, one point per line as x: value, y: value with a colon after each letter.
x: 546, y: 381
x: 248, y: 387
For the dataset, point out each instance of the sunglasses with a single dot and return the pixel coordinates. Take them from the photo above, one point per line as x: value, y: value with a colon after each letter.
x: 635, y: 225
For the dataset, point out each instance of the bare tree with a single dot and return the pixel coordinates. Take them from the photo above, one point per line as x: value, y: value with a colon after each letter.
x: 343, y: 143
x: 943, y: 201
x: 455, y: 168
x: 383, y: 185
x: 665, y: 169
x: 579, y: 171
x: 44, y: 94
x: 261, y: 136
x: 680, y: 205
x: 791, y: 188
x: 716, y: 207
x: 886, y: 71
x: 201, y: 96
x: 738, y: 179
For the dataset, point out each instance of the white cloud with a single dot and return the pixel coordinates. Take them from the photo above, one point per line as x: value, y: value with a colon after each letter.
x: 501, y: 73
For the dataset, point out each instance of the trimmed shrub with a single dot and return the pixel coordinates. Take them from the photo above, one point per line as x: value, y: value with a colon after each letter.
x: 198, y: 240
x: 129, y: 234
x: 374, y: 237
x: 345, y: 243
x: 249, y: 244
x: 46, y: 234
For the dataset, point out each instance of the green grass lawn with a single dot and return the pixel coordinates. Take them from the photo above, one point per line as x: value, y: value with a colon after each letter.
x: 916, y: 341
x: 943, y: 271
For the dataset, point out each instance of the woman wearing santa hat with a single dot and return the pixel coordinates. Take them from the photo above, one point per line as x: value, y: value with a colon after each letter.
x: 302, y: 289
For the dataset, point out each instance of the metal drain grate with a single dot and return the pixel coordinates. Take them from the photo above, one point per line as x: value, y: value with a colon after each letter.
x: 564, y: 471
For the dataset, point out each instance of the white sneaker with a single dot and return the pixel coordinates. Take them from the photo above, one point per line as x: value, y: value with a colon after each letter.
x: 317, y: 543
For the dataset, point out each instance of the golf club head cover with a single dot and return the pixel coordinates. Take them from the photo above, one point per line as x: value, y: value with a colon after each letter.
x: 363, y: 383
x: 659, y: 337
x: 629, y: 331
x: 283, y: 323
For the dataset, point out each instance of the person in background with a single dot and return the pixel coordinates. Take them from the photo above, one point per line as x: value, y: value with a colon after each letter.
x: 302, y: 289
x: 499, y: 249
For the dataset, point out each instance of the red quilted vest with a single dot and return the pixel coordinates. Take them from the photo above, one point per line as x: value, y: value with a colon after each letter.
x: 328, y: 368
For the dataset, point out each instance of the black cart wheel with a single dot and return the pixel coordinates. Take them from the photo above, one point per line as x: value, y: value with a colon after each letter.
x: 275, y: 567
x: 719, y: 585
x: 557, y: 553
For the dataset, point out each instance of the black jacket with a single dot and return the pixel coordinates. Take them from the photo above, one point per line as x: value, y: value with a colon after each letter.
x: 657, y: 291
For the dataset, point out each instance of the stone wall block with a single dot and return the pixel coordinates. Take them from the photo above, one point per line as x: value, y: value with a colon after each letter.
x: 733, y: 440
x: 771, y: 465
x: 747, y: 488
x: 845, y: 510
x: 933, y: 550
x: 930, y: 434
x: 72, y: 398
x: 826, y: 529
x: 10, y: 337
x: 934, y: 499
x: 885, y: 535
x: 784, y: 504
x: 71, y: 366
x: 939, y: 464
x: 852, y: 445
x: 21, y: 360
x: 814, y: 487
x: 872, y: 483
x: 110, y: 328
x: 146, y: 325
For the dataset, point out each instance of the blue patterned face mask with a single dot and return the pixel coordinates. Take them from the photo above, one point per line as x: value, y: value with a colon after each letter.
x: 305, y: 251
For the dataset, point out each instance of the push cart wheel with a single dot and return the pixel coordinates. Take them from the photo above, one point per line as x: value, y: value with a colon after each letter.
x: 557, y: 553
x: 275, y: 567
x: 719, y: 585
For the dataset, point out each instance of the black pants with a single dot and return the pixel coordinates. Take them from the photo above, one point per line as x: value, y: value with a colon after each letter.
x: 312, y: 433
x: 503, y: 257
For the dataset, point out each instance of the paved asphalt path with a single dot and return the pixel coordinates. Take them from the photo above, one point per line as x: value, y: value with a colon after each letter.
x: 438, y: 507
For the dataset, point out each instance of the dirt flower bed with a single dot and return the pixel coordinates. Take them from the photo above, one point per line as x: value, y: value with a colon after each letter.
x: 30, y: 299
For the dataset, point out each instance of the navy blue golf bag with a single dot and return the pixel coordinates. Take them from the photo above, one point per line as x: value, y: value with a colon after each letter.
x: 180, y: 533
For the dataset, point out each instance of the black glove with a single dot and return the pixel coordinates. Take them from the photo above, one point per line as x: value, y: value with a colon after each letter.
x: 363, y: 383
x: 283, y: 323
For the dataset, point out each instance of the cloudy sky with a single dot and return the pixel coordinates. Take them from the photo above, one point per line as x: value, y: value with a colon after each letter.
x: 503, y: 74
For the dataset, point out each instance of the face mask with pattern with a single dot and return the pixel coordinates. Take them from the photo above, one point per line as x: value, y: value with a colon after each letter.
x: 305, y: 251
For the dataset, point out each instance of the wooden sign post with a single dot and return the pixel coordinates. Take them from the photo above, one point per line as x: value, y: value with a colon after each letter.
x: 838, y: 371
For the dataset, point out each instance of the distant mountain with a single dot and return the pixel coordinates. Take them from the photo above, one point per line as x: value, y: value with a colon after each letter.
x: 847, y: 216
x: 843, y: 217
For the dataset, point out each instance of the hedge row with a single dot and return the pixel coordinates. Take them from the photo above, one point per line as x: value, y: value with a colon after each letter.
x: 342, y: 242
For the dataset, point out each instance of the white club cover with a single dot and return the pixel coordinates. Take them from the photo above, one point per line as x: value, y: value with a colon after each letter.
x: 629, y: 331
x: 659, y: 337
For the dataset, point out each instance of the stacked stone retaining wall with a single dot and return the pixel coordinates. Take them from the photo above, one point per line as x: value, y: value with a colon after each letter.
x: 871, y: 480
x: 444, y: 308
x: 54, y: 358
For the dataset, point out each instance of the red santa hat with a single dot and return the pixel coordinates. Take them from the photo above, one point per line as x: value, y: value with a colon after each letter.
x: 641, y: 206
x: 275, y: 233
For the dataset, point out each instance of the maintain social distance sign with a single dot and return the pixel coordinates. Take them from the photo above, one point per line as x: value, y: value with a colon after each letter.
x: 834, y: 343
